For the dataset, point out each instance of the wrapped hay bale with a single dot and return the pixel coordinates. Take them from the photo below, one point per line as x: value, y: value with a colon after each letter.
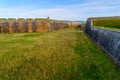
x: 1, y: 27
x: 51, y: 25
x: 40, y: 25
x: 15, y: 27
x: 11, y: 22
x: 60, y: 25
x: 46, y: 26
x: 29, y: 25
x: 66, y: 25
x: 74, y: 24
x: 34, y: 27
x: 54, y: 25
x: 71, y: 25
x: 4, y: 25
x: 19, y: 25
x: 57, y: 26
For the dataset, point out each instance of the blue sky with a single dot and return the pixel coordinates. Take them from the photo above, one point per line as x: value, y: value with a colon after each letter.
x: 59, y: 9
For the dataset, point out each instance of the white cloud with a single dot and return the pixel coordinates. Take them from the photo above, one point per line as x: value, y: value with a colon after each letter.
x: 56, y: 13
x: 67, y: 12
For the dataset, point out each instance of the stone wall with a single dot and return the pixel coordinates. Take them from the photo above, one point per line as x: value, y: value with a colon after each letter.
x: 108, y: 40
x: 21, y: 25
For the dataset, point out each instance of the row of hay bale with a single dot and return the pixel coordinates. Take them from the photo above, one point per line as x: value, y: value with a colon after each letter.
x: 21, y: 25
x: 75, y: 24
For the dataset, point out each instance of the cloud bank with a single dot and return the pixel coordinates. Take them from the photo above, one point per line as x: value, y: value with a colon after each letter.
x: 80, y: 11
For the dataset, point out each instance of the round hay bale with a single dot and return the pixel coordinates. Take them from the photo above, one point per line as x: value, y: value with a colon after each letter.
x: 34, y: 27
x: 29, y: 25
x: 2, y: 24
x: 51, y: 26
x: 5, y: 27
x: 20, y: 25
x: 41, y: 25
x: 1, y: 27
x: 11, y: 24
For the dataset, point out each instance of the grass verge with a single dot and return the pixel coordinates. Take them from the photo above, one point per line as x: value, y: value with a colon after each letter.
x: 65, y: 54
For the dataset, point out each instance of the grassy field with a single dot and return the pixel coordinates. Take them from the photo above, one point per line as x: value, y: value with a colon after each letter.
x: 65, y: 54
x: 107, y: 23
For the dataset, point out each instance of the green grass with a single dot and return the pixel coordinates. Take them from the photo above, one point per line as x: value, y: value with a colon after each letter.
x: 3, y: 18
x: 107, y: 23
x: 21, y: 19
x: 11, y: 18
x: 29, y: 19
x: 40, y: 18
x: 33, y: 35
x: 65, y: 54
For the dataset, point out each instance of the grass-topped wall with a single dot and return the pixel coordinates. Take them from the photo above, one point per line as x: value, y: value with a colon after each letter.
x: 112, y: 22
x: 109, y: 40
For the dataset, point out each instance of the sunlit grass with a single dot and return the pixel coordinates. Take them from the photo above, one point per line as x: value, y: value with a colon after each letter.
x: 107, y: 23
x: 65, y: 54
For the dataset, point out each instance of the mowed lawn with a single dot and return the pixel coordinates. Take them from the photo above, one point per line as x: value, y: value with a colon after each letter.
x: 66, y: 54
